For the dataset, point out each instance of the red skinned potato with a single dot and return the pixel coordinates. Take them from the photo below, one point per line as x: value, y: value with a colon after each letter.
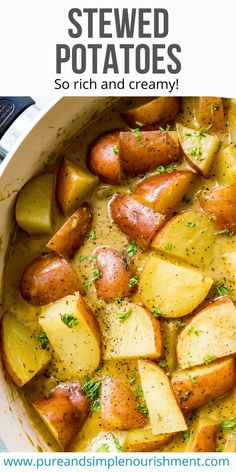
x: 103, y: 158
x: 163, y: 192
x: 158, y: 112
x: 203, y: 439
x: 136, y: 220
x: 220, y: 205
x: 143, y: 151
x: 48, y: 278
x: 119, y: 406
x: 64, y: 412
x: 71, y: 235
x: 210, y: 112
x: 198, y: 386
x: 115, y: 274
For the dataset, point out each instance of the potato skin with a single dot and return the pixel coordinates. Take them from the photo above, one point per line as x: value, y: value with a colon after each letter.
x: 103, y: 161
x: 66, y: 410
x: 209, y: 111
x: 155, y: 148
x: 206, y: 387
x: 48, y: 278
x: 158, y: 112
x: 71, y: 235
x: 205, y: 440
x: 119, y: 410
x: 220, y: 205
x: 115, y: 274
x: 136, y: 220
x: 163, y: 192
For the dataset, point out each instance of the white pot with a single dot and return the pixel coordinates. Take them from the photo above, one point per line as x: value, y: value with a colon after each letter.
x: 48, y: 133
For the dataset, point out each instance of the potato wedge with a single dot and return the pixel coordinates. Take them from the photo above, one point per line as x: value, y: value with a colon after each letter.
x: 71, y: 235
x: 34, y: 205
x: 136, y: 220
x: 196, y: 387
x: 230, y: 445
x: 229, y: 259
x: 164, y: 192
x: 203, y: 438
x: 142, y: 151
x: 48, y: 278
x: 225, y: 165
x: 220, y: 205
x: 199, y: 147
x: 115, y: 274
x: 74, y: 333
x: 158, y: 112
x: 193, y: 235
x: 181, y: 279
x: 119, y: 406
x: 164, y: 412
x: 210, y: 112
x: 22, y: 353
x: 143, y: 440
x: 64, y: 412
x: 73, y: 186
x: 103, y: 158
x: 136, y: 336
x: 210, y: 334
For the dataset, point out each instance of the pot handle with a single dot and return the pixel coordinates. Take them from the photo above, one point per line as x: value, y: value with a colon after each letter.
x: 10, y: 109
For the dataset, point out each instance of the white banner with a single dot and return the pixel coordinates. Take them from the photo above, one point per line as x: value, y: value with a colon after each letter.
x: 198, y: 35
x: 52, y: 462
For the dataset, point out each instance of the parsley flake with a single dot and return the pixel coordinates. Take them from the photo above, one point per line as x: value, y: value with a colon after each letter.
x: 124, y: 315
x: 91, y: 235
x: 115, y: 149
x: 142, y: 408
x: 103, y: 448
x: 43, y: 339
x: 117, y: 443
x: 169, y: 247
x: 185, y: 436
x: 157, y: 313
x: 69, y: 320
x: 228, y: 424
x: 208, y: 359
x: 132, y: 249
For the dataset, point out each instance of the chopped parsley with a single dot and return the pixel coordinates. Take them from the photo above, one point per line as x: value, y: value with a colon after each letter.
x: 165, y: 129
x: 185, y: 436
x: 91, y: 259
x: 92, y: 389
x: 124, y: 315
x: 194, y: 380
x: 228, y: 424
x: 43, y: 339
x: 197, y: 149
x: 115, y: 149
x: 117, y: 300
x: 91, y: 235
x: 133, y: 281
x: 193, y: 331
x: 132, y: 380
x: 218, y: 449
x: 208, y: 359
x: 190, y: 224
x: 103, y: 448
x: 69, y: 320
x: 180, y: 324
x: 227, y: 232
x: 222, y: 289
x: 169, y: 168
x: 157, y: 313
x: 162, y: 364
x: 139, y: 124
x: 169, y: 247
x: 137, y: 134
x: 132, y: 249
x: 117, y: 443
x: 138, y: 392
x: 142, y: 408
x: 95, y: 276
x: 82, y: 258
x: 96, y: 405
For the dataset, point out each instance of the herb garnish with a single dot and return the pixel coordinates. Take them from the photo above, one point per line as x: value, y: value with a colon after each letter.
x: 185, y: 436
x: 190, y: 224
x: 43, y: 339
x: 91, y: 235
x: 208, y: 359
x: 169, y: 247
x: 115, y: 149
x: 124, y: 315
x: 69, y: 320
x: 157, y: 313
x: 132, y: 248
x: 117, y: 443
x: 142, y: 408
x: 103, y: 448
x: 133, y: 281
x: 92, y: 389
x: 228, y: 424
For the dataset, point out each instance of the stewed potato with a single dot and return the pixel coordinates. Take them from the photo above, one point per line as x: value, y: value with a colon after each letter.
x: 159, y: 112
x: 220, y: 205
x: 210, y: 113
x: 103, y: 158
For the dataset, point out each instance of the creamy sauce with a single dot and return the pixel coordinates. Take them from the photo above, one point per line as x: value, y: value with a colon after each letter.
x: 24, y: 248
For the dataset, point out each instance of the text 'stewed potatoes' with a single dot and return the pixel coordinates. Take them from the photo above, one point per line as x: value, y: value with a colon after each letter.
x: 119, y: 322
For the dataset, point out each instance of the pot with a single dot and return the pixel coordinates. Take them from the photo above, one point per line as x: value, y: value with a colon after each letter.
x: 47, y: 134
